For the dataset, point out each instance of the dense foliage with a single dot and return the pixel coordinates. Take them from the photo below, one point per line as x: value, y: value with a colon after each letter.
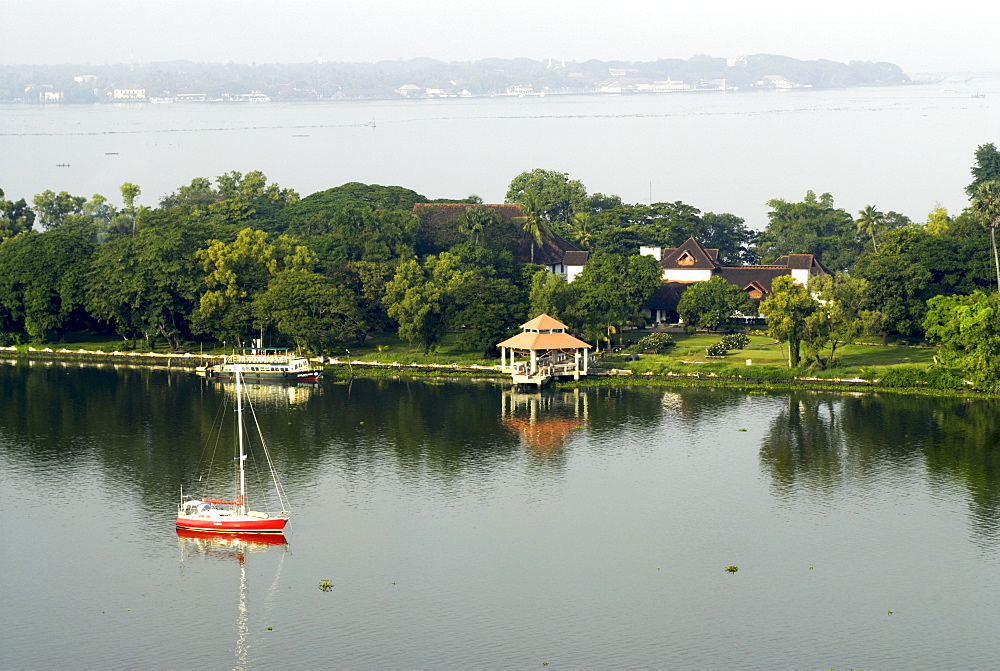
x: 238, y: 258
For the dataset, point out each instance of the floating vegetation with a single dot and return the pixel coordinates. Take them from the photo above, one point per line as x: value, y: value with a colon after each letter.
x: 732, y: 569
x: 325, y: 585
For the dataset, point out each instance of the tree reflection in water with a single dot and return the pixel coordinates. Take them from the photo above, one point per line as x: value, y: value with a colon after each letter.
x: 820, y: 442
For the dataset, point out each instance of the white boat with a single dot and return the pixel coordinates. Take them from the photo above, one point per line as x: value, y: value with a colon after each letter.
x: 234, y: 515
x: 264, y: 363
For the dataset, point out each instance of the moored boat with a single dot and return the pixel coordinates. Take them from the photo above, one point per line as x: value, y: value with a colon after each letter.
x: 264, y: 363
x: 234, y: 515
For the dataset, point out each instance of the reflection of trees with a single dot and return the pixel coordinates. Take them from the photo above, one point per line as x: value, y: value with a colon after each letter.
x: 821, y: 441
x: 804, y: 444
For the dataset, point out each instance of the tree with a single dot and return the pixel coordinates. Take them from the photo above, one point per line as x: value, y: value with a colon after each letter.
x: 533, y: 222
x: 125, y: 222
x: 246, y: 197
x: 938, y: 221
x: 146, y: 284
x: 422, y: 298
x: 813, y: 226
x: 310, y: 309
x: 53, y: 208
x: 987, y: 168
x: 968, y: 330
x: 711, y: 304
x: 839, y: 316
x: 477, y: 222
x: 869, y: 220
x: 558, y: 196
x: 550, y: 294
x: 727, y: 233
x: 786, y: 311
x: 235, y: 272
x: 41, y: 281
x: 487, y: 308
x: 15, y: 217
x: 986, y: 206
x: 897, y: 282
x: 610, y: 293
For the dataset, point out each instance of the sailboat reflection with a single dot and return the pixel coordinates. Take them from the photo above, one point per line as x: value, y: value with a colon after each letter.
x: 545, y: 420
x: 222, y: 544
x: 226, y: 546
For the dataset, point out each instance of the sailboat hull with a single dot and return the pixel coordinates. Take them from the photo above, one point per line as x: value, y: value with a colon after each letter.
x: 243, y: 524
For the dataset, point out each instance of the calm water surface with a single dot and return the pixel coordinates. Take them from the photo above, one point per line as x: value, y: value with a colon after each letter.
x: 899, y: 148
x: 466, y: 526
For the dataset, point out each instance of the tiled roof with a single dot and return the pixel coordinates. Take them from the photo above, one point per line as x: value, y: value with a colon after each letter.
x: 543, y: 322
x: 528, y: 341
x: 552, y: 251
x: 691, y: 254
x: 452, y: 211
x: 744, y: 276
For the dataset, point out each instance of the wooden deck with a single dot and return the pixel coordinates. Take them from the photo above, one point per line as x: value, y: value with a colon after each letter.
x: 543, y: 374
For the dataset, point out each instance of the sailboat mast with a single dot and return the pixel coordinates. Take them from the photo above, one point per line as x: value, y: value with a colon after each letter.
x: 239, y: 439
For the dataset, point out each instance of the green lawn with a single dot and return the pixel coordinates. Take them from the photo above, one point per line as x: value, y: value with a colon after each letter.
x: 688, y: 356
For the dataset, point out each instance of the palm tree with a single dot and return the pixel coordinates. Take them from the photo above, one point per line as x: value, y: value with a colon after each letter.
x: 868, y: 221
x: 533, y: 222
x: 986, y: 206
x: 581, y: 228
x: 475, y: 221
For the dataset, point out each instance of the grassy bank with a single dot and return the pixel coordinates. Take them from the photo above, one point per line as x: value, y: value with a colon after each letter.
x: 762, y: 363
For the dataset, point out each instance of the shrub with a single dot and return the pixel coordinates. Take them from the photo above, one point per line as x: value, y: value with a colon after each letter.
x: 735, y: 341
x: 717, y: 349
x: 655, y: 342
x: 758, y: 373
x: 912, y: 376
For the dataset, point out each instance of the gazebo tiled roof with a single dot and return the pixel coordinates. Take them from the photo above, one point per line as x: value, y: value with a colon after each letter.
x: 543, y: 333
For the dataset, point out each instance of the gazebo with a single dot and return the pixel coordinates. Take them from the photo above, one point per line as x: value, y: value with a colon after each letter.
x: 549, y: 350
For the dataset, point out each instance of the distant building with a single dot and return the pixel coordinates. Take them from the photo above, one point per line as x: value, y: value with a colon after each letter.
x: 252, y: 97
x: 776, y: 82
x: 691, y: 262
x: 410, y: 91
x: 128, y: 93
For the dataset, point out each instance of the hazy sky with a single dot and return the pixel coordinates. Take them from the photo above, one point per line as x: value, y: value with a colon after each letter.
x: 919, y: 36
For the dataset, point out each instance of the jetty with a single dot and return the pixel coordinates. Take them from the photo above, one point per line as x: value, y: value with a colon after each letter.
x: 546, y: 351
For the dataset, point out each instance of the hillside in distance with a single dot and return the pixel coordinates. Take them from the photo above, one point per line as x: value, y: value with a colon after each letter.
x: 425, y: 77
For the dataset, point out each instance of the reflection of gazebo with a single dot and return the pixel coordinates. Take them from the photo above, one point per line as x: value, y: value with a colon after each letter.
x: 544, y: 421
x: 550, y: 352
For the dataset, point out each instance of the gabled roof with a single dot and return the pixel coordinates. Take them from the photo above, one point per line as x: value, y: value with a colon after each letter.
x: 690, y: 255
x: 553, y: 250
x: 574, y: 258
x: 802, y: 262
x: 744, y: 276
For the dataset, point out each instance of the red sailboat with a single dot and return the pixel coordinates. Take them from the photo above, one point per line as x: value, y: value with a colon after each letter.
x: 234, y: 515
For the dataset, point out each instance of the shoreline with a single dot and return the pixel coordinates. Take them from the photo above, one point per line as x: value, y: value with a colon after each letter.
x: 342, y: 369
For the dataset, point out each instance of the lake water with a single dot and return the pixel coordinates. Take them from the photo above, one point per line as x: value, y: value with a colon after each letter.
x: 900, y: 148
x: 465, y: 526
